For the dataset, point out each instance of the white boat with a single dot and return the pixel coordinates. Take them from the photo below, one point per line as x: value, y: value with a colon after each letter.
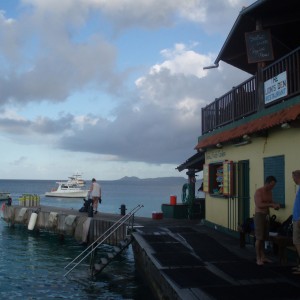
x: 4, y: 196
x: 77, y: 179
x: 68, y: 189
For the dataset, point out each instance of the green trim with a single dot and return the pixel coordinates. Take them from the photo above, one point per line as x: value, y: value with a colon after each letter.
x: 244, y: 188
x: 267, y: 111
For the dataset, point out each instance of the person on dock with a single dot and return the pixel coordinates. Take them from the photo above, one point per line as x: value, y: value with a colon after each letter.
x: 95, y: 194
x: 263, y: 199
x: 296, y: 219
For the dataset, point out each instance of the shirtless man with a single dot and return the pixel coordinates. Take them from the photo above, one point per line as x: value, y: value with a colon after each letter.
x: 263, y: 199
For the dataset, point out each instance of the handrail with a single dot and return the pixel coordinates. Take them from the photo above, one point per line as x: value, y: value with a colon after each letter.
x: 110, y: 230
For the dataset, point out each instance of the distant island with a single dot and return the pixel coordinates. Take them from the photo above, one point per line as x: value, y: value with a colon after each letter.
x: 160, y: 179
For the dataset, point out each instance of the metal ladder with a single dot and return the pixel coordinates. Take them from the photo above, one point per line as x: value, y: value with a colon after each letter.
x: 90, y: 250
x: 96, y: 268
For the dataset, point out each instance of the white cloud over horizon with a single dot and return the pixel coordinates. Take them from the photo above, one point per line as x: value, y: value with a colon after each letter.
x: 79, y: 92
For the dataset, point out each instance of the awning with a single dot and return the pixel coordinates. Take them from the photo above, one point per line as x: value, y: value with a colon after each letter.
x: 195, y: 162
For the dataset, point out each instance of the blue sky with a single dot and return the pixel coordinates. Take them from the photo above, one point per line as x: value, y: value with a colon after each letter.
x: 110, y: 88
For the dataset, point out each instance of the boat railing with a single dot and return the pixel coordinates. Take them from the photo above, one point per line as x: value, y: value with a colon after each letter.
x: 129, y: 217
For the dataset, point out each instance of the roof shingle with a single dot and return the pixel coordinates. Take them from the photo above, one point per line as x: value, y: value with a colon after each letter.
x: 286, y: 115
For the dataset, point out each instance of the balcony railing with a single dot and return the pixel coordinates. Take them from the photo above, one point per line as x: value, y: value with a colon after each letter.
x: 243, y: 99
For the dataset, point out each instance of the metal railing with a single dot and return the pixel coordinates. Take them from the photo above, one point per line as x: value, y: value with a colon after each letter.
x: 91, y: 248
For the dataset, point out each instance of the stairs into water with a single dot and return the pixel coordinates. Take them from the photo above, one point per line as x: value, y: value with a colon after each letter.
x: 91, y: 250
x: 110, y: 256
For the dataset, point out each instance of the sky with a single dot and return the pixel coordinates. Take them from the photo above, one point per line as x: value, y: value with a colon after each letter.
x: 108, y: 88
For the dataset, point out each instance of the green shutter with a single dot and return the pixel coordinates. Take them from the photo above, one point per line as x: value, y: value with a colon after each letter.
x: 275, y: 166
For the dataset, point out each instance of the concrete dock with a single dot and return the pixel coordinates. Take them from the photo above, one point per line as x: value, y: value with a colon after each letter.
x: 67, y: 222
x: 193, y: 261
x: 179, y: 258
x: 79, y: 225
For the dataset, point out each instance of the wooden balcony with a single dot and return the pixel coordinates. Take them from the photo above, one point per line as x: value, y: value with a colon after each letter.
x: 248, y: 97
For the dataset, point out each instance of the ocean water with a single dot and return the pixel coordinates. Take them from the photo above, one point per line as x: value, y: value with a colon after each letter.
x: 32, y: 263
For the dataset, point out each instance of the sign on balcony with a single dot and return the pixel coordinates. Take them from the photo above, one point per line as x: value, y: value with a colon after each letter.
x: 275, y: 88
x: 259, y: 46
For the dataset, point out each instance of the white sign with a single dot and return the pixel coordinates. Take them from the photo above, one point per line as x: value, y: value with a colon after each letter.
x: 275, y: 87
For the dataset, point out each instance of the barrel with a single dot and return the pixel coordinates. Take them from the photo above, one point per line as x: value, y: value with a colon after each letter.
x: 173, y: 200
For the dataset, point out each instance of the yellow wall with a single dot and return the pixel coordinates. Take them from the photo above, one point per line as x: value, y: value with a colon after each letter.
x: 279, y: 142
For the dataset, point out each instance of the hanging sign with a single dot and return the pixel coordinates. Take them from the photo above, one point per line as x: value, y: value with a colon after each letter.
x: 259, y: 46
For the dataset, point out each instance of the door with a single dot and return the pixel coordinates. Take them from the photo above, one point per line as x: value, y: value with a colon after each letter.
x: 243, y: 191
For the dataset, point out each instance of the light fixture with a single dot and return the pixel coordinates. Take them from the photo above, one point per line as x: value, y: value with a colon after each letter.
x: 242, y: 143
x: 219, y: 145
x: 246, y: 137
x: 285, y: 125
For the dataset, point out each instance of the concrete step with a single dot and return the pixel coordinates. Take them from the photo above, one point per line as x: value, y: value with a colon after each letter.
x: 117, y: 249
x: 98, y: 267
x: 110, y: 255
x: 123, y: 244
x: 104, y: 260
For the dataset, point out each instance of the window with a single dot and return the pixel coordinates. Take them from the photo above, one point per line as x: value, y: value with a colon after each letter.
x: 218, y: 178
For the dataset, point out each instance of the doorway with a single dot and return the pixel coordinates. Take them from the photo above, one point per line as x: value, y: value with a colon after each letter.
x: 243, y: 191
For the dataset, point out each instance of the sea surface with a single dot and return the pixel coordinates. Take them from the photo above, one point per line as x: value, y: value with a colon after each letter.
x: 32, y: 263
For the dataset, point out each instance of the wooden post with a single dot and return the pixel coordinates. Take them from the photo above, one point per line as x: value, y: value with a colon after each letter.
x: 260, y: 79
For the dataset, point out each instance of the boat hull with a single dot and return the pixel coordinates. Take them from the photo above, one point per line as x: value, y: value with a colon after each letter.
x: 4, y: 196
x: 75, y: 194
x: 73, y: 188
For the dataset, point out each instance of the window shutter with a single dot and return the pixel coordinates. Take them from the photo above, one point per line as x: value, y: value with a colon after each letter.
x: 275, y: 166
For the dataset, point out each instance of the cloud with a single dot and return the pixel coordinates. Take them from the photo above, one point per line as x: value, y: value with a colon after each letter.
x: 20, y: 161
x: 183, y: 61
x: 53, y: 49
x: 64, y: 70
x: 56, y: 48
x: 162, y: 123
x: 213, y: 16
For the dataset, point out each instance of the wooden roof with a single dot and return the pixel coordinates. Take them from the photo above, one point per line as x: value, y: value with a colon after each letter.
x: 282, y: 18
x: 195, y: 162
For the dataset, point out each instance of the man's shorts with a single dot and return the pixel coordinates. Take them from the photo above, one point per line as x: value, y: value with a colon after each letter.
x: 261, y: 226
x: 296, y: 232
